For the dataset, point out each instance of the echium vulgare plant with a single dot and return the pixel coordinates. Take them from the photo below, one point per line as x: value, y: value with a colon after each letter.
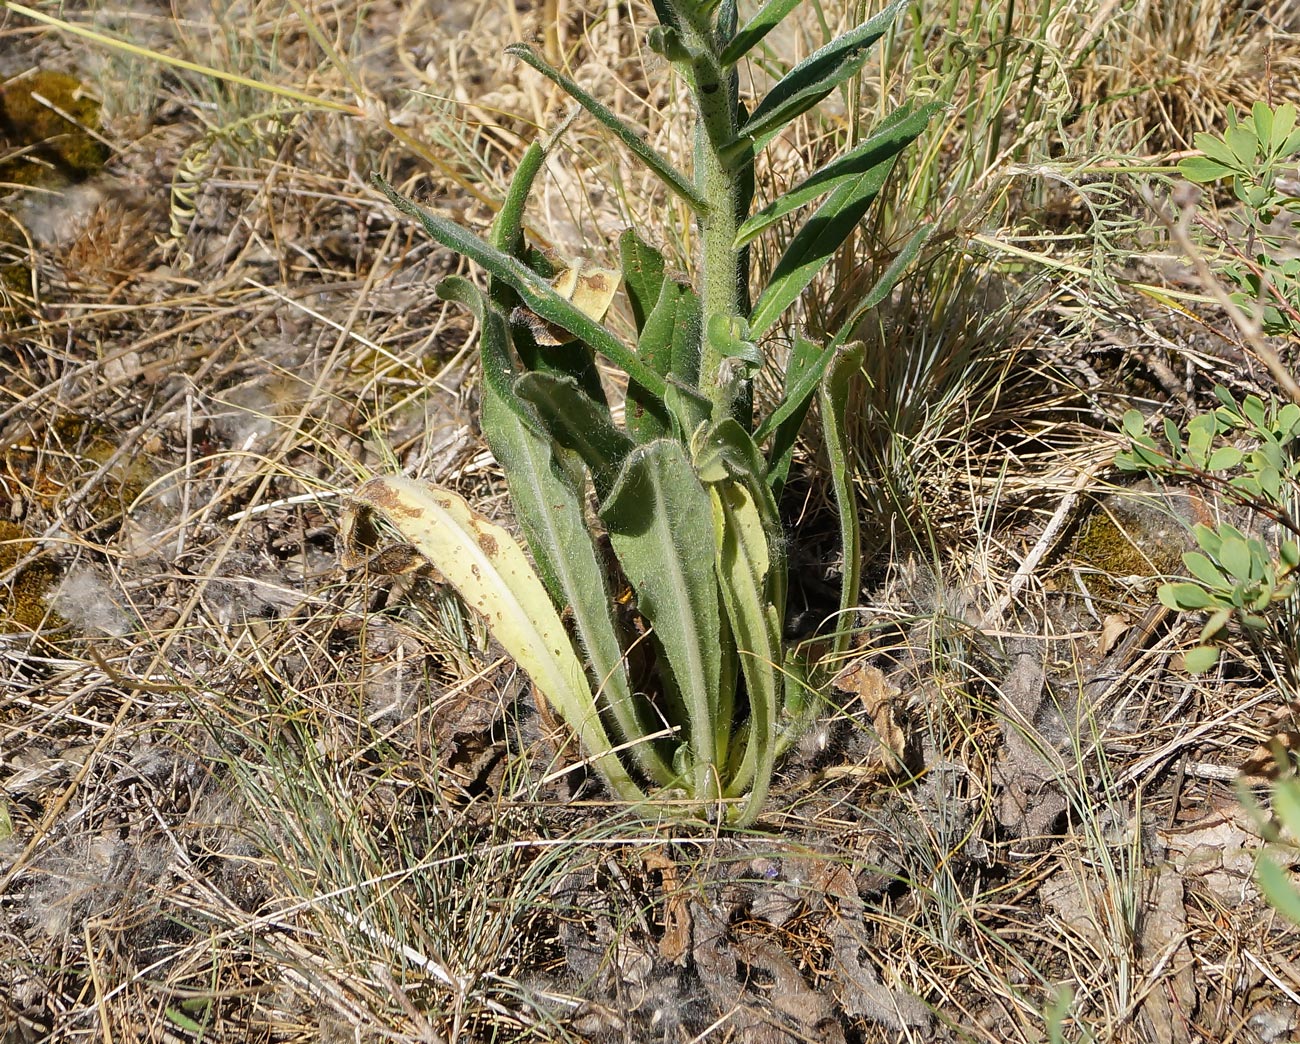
x: 687, y: 490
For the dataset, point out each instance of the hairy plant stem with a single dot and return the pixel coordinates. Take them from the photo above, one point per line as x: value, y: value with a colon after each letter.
x: 718, y: 182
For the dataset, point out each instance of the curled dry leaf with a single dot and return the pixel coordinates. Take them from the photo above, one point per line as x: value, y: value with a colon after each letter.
x: 676, y: 939
x: 1113, y: 628
x: 882, y: 701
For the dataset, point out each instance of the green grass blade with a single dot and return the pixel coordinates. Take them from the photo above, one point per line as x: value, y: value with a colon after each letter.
x: 673, y: 179
x: 814, y: 78
x: 768, y: 18
x: 535, y: 292
x: 660, y: 524
x: 490, y: 572
x: 847, y: 361
x: 893, y: 135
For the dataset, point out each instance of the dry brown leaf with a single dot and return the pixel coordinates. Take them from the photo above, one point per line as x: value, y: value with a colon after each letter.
x: 1113, y: 628
x: 1274, y: 755
x: 881, y: 700
x: 676, y: 939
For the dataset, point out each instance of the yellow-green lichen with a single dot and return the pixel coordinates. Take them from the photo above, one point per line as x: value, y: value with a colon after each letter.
x: 1126, y: 538
x: 23, y: 600
x: 46, y: 125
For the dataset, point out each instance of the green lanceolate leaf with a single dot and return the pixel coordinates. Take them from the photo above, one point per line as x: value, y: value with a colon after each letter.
x: 499, y: 372
x: 660, y: 525
x: 865, y: 161
x: 814, y: 78
x: 690, y: 409
x: 884, y: 284
x: 834, y: 403
x: 666, y: 13
x: 728, y: 19
x: 548, y: 490
x: 496, y: 365
x: 643, y: 275
x: 804, y: 355
x: 490, y: 572
x: 535, y: 292
x: 508, y: 228
x: 743, y: 568
x: 727, y: 443
x: 768, y: 18
x: 548, y: 501
x: 724, y: 456
x: 577, y: 423
x: 795, y: 401
x: 725, y: 451
x: 675, y: 180
x: 575, y: 358
x: 812, y: 246
x: 669, y: 344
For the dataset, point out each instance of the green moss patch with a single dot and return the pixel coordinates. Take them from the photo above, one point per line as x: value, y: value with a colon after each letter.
x: 46, y: 121
x: 23, y: 601
x: 1128, y: 537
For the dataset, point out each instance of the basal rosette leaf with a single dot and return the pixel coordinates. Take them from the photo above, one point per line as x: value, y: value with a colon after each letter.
x: 578, y: 423
x: 744, y: 574
x: 660, y: 525
x: 548, y: 489
x: 494, y: 578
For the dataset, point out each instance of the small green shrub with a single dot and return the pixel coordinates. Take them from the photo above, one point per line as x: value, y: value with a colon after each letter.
x: 687, y: 490
x: 1270, y: 874
x: 1244, y: 453
x: 1252, y: 153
